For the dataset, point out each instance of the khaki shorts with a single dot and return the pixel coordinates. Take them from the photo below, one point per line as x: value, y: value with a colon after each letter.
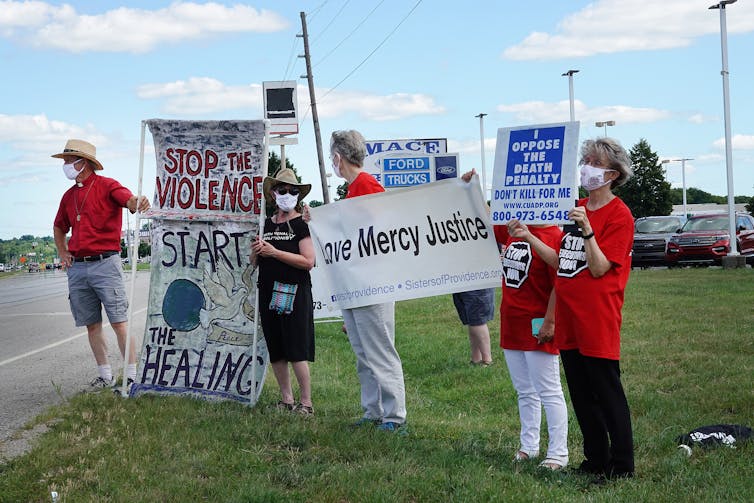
x: 92, y: 285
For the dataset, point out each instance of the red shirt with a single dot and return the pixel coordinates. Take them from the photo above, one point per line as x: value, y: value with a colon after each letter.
x: 99, y: 204
x: 588, y: 309
x: 364, y: 184
x: 527, y: 284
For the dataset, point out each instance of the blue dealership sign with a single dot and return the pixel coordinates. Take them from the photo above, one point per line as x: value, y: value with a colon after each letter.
x: 408, y: 170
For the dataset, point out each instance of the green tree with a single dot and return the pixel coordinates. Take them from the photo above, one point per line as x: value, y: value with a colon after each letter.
x: 341, y: 191
x: 145, y: 249
x: 273, y: 164
x: 646, y: 193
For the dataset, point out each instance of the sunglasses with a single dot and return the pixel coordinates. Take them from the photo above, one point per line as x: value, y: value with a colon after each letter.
x: 283, y: 191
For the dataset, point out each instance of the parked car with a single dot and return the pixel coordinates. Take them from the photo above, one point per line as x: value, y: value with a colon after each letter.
x: 705, y: 239
x: 2, y: 267
x: 651, y: 236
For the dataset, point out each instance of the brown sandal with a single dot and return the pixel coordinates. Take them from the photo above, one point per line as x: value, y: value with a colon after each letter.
x: 304, y: 410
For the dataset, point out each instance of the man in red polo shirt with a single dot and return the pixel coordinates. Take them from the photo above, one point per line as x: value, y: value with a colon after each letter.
x: 92, y: 211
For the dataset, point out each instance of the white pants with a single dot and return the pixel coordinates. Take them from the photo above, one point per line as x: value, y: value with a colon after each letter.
x: 536, y: 378
x: 371, y: 331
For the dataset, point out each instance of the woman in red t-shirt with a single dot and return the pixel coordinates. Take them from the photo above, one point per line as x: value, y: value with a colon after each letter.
x: 530, y: 353
x: 593, y: 263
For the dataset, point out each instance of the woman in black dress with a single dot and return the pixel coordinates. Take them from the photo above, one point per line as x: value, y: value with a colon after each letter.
x: 285, y: 255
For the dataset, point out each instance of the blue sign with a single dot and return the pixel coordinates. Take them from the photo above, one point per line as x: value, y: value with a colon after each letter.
x: 446, y: 167
x: 405, y: 179
x: 405, y: 164
x: 535, y: 157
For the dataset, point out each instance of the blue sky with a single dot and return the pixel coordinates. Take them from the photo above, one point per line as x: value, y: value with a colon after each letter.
x: 95, y: 69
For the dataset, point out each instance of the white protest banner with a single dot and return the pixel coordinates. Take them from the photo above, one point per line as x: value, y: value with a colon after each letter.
x: 201, y: 337
x: 377, y: 149
x: 534, y: 178
x: 417, y: 242
x: 323, y: 306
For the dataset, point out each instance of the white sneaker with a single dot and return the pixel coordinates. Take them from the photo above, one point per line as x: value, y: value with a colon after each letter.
x: 102, y: 383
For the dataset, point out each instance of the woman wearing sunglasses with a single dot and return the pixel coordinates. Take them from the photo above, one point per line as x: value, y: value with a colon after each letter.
x: 285, y: 255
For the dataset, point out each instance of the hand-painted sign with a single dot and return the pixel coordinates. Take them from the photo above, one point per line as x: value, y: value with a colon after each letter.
x: 202, y: 336
x: 534, y: 178
x: 418, y: 242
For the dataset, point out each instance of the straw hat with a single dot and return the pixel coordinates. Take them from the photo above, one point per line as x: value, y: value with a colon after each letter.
x: 80, y: 148
x: 288, y: 177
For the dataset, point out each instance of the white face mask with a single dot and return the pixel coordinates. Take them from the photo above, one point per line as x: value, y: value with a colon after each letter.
x: 286, y: 202
x: 70, y: 171
x: 336, y: 166
x: 593, y: 178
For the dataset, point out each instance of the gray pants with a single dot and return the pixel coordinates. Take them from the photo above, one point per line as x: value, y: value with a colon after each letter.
x: 371, y: 331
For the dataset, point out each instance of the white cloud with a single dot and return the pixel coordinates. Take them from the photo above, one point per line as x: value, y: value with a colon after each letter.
x: 204, y: 95
x: 376, y: 107
x: 610, y: 26
x: 710, y: 158
x: 18, y: 181
x: 126, y: 29
x: 540, y: 112
x: 471, y: 146
x: 38, y: 136
x: 739, y: 141
x: 701, y: 119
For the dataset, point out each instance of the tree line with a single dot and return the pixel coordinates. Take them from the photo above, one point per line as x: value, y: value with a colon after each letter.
x: 647, y: 193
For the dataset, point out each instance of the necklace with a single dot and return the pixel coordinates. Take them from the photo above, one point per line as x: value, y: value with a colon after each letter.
x: 76, y: 203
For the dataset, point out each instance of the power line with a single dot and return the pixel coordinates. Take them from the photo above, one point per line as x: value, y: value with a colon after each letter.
x: 291, y: 58
x: 371, y: 53
x: 331, y: 22
x: 349, y: 35
x: 316, y: 10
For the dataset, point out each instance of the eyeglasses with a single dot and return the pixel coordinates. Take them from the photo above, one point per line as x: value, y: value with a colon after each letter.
x: 283, y: 191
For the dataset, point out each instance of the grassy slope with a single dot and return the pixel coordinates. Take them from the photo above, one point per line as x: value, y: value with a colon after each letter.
x: 688, y: 360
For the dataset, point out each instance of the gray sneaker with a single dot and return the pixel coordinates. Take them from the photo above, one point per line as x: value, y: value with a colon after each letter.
x: 101, y: 383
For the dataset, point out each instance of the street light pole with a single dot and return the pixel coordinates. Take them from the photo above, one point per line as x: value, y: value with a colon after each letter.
x: 726, y: 107
x: 481, y: 140
x: 605, y: 124
x: 683, y: 178
x: 570, y: 73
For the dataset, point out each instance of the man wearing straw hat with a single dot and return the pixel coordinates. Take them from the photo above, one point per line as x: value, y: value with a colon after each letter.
x: 92, y: 211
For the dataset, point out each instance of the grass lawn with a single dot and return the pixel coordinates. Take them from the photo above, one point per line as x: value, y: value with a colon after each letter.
x: 688, y: 361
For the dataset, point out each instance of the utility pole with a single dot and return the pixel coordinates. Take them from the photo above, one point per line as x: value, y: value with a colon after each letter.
x: 570, y: 74
x: 728, y: 138
x: 481, y: 141
x: 315, y: 116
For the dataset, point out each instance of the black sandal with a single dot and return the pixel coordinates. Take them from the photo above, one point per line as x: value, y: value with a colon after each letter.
x: 281, y: 405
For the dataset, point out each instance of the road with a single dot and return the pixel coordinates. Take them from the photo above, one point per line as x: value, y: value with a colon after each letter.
x: 44, y: 357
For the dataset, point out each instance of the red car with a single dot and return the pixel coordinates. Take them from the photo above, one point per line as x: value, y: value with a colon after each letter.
x: 704, y: 240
